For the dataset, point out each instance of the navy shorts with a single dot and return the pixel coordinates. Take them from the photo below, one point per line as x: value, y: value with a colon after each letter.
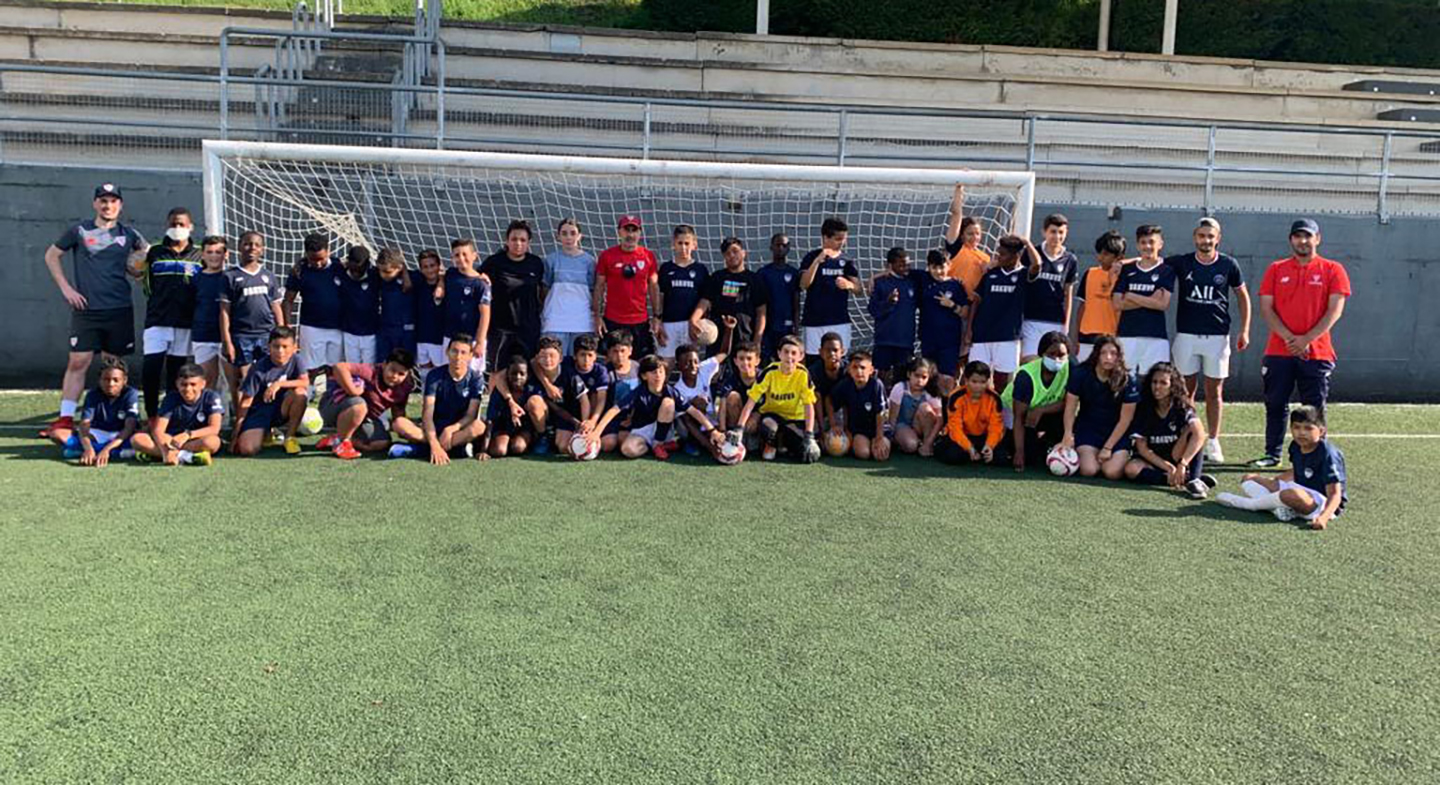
x: 946, y: 359
x: 1090, y: 435
x: 889, y: 358
x: 250, y: 348
x: 389, y: 340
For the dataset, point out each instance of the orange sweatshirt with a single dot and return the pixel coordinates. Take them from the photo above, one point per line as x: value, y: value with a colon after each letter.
x: 967, y: 419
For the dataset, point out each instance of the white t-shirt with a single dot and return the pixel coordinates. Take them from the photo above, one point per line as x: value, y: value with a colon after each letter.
x: 703, y: 377
x: 571, y: 280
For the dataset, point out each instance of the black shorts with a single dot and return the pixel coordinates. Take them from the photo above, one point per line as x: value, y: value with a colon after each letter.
x: 111, y: 331
x: 643, y: 340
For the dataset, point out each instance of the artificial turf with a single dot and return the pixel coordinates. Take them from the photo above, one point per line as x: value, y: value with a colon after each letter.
x: 534, y: 620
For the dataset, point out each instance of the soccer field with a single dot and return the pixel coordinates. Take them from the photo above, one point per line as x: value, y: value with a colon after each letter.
x: 532, y: 620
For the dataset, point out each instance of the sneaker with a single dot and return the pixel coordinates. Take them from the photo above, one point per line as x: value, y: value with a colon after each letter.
x: 1197, y: 489
x: 143, y: 457
x: 66, y: 423
x: 769, y: 453
x: 346, y: 451
x: 663, y: 450
x: 542, y: 445
x: 328, y: 443
x: 1283, y: 514
x: 1213, y: 451
x: 469, y: 449
x: 401, y: 450
x: 1209, y: 480
x: 1268, y: 462
x: 292, y: 446
x: 201, y: 458
x: 691, y: 448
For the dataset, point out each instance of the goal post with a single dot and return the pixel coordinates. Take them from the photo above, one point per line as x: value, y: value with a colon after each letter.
x: 422, y: 199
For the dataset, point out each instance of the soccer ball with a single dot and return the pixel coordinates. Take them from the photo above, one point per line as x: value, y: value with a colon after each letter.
x: 708, y: 333
x: 732, y: 451
x: 1062, y: 461
x: 311, y: 422
x: 837, y: 444
x: 581, y: 451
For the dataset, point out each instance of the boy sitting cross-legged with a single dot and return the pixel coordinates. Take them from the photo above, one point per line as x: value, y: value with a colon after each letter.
x: 266, y: 399
x: 106, y: 420
x: 450, y: 418
x: 187, y: 427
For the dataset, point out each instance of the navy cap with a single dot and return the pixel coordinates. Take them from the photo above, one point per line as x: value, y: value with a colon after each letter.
x: 1305, y: 225
x: 108, y: 189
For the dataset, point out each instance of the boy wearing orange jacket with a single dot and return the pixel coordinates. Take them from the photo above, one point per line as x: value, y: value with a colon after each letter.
x: 974, y: 424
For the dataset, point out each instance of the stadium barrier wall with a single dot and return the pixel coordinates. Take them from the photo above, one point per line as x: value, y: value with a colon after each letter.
x: 1389, y: 340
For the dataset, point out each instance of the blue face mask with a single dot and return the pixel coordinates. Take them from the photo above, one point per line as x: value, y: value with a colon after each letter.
x: 1052, y: 364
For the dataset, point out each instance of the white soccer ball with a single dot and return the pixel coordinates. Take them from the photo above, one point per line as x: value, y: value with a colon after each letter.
x: 731, y: 452
x: 582, y: 451
x: 311, y: 422
x: 1062, y: 461
x: 708, y: 333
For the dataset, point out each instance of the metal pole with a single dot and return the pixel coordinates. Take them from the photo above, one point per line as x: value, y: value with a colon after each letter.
x: 1029, y: 144
x: 224, y: 86
x: 1102, y: 43
x: 844, y: 133
x: 1167, y: 43
x: 1384, y: 206
x: 762, y: 17
x: 1210, y: 173
x: 440, y: 95
x: 645, y: 142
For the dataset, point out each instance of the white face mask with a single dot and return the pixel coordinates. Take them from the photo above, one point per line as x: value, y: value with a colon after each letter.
x: 1052, y: 364
x: 178, y: 233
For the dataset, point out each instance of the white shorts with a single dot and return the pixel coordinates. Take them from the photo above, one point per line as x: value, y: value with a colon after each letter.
x: 647, y: 433
x: 1319, y: 498
x: 1001, y: 356
x: 676, y: 333
x: 174, y: 341
x: 430, y: 354
x: 358, y: 348
x: 319, y: 347
x: 1208, y: 353
x: 1142, y: 353
x: 102, y: 438
x: 1032, y: 332
x: 814, y: 334
x: 205, y: 352
x: 477, y: 364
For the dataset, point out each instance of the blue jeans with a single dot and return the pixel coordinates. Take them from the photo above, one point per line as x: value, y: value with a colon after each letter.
x: 1283, y: 376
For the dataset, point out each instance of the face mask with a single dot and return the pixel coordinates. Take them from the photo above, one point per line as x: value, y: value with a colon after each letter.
x: 1052, y: 364
x: 178, y: 233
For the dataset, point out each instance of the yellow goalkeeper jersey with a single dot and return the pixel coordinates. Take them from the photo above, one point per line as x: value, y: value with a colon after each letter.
x: 784, y: 394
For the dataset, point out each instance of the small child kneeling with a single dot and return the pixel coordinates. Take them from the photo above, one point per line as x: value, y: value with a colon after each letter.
x: 973, y: 413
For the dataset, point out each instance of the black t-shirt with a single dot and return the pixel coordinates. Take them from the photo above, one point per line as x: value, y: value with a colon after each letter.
x: 515, y: 293
x: 1161, y: 433
x: 1045, y: 294
x: 736, y: 294
x: 169, y: 284
x: 682, y: 287
x: 1099, y: 404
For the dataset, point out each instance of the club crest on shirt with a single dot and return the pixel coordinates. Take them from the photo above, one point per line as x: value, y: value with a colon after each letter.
x: 1219, y: 279
x: 1284, y: 279
x: 869, y: 406
x: 789, y: 277
x: 468, y: 290
x: 337, y: 280
x: 1309, y: 473
x: 265, y: 279
x: 1154, y: 277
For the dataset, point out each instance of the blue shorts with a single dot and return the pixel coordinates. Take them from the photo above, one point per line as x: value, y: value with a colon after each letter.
x: 1091, y: 435
x: 946, y: 359
x: 390, y: 339
x: 888, y: 358
x: 263, y: 415
x: 250, y: 348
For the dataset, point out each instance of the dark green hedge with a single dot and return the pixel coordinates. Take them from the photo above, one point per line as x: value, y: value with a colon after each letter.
x: 1367, y: 32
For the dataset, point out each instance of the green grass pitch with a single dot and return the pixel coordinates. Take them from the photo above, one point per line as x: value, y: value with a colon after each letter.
x: 296, y: 620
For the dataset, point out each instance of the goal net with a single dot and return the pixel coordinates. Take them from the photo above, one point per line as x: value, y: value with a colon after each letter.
x: 422, y: 199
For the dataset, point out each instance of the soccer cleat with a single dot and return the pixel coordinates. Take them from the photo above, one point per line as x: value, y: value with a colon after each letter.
x: 66, y: 423
x: 292, y: 446
x: 201, y: 458
x: 1268, y: 462
x: 346, y: 450
x: 1209, y: 480
x: 691, y: 448
x: 663, y: 450
x: 401, y: 451
x: 542, y: 445
x: 328, y: 443
x: 769, y: 453
x: 1283, y: 514
x: 1213, y: 452
x: 143, y: 457
x: 1197, y: 489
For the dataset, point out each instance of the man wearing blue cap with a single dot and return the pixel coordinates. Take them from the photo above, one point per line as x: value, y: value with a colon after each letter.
x: 107, y: 254
x: 1301, y: 298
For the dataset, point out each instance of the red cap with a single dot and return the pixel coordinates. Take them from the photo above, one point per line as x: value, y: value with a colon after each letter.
x: 630, y: 220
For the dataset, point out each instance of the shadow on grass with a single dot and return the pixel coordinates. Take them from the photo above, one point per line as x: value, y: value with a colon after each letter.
x: 1213, y: 511
x: 34, y: 450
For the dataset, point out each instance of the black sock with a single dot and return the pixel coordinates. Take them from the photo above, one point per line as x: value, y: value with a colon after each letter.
x: 151, y: 371
x: 662, y: 431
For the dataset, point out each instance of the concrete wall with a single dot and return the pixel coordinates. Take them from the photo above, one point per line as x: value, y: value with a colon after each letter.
x: 1389, y: 339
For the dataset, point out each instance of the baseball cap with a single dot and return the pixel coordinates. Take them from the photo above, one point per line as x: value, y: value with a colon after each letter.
x: 1305, y: 225
x: 108, y: 189
x: 629, y: 220
x: 1207, y: 221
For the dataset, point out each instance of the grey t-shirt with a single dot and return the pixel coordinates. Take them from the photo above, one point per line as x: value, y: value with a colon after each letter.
x: 101, y: 259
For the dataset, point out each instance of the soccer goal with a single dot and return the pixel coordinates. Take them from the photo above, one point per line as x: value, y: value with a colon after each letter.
x: 419, y: 199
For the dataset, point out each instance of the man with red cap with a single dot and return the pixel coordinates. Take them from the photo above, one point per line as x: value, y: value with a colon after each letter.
x: 627, y: 288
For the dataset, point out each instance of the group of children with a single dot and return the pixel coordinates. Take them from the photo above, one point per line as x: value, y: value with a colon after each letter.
x: 992, y: 380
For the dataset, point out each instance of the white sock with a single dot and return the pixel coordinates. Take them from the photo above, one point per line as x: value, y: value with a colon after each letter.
x: 1254, y: 489
x: 186, y: 456
x: 1257, y: 503
x: 67, y: 408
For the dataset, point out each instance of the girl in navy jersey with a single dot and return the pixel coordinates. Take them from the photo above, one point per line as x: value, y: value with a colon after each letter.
x: 1168, y: 436
x: 1100, y: 399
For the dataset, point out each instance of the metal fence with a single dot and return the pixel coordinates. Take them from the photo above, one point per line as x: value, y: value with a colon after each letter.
x: 155, y: 120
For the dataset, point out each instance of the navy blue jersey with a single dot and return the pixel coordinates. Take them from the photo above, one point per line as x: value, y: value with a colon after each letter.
x: 1002, y: 305
x: 729, y: 380
x: 780, y: 282
x: 822, y: 383
x: 102, y: 259
x: 894, y: 320
x: 209, y: 289
x: 575, y: 384
x: 620, y: 386
x: 397, y: 306
x: 863, y: 406
x: 319, y: 290
x: 681, y: 287
x: 643, y: 407
x: 429, y: 315
x: 463, y: 298
x: 452, y: 396
x: 1204, y: 307
x: 1045, y: 293
x: 189, y: 416
x: 109, y: 414
x: 1161, y: 433
x: 1099, y: 405
x: 498, y: 409
x: 1144, y: 322
x: 250, y: 296
x: 941, y: 329
x: 1319, y: 468
x: 170, y: 295
x: 360, y: 303
x: 264, y: 372
x: 825, y: 303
